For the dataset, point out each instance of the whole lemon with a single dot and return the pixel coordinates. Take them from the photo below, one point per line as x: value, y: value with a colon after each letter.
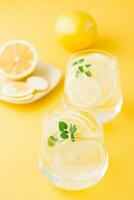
x: 76, y: 30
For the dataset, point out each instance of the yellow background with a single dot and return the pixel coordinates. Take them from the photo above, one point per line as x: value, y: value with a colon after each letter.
x: 21, y: 126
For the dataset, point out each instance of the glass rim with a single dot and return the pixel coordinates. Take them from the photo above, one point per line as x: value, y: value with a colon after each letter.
x: 60, y: 107
x: 88, y: 51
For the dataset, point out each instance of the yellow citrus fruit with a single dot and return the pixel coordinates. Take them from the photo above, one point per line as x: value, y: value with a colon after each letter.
x: 19, y: 99
x: 83, y: 90
x: 76, y: 30
x: 18, y: 59
x: 17, y: 89
x: 38, y: 83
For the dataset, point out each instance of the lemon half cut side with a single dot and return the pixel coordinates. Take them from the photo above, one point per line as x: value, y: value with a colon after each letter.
x: 18, y: 59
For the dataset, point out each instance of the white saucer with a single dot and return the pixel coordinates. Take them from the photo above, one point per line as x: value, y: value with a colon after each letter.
x: 48, y: 72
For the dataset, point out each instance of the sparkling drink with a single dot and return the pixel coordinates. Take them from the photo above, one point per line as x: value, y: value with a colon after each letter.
x: 92, y: 81
x: 72, y: 153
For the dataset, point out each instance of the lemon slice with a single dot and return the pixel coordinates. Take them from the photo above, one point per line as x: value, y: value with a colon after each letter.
x: 17, y: 89
x: 18, y: 59
x: 104, y: 72
x: 38, y: 83
x: 81, y: 159
x: 23, y: 99
x: 19, y: 99
x: 83, y: 90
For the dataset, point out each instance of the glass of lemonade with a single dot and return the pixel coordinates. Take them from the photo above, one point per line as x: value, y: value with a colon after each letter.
x: 92, y: 81
x: 72, y: 154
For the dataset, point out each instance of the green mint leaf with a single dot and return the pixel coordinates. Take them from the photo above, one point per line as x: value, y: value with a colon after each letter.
x: 70, y: 128
x: 74, y: 128
x: 81, y: 60
x: 74, y: 63
x: 62, y: 126
x: 72, y: 137
x: 65, y: 132
x: 53, y: 138
x: 88, y: 73
x: 81, y: 68
x: 52, y: 141
x: 77, y: 74
x: 88, y: 65
x: 64, y: 135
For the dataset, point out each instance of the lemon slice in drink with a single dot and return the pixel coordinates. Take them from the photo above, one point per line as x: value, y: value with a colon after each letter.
x: 80, y: 159
x: 17, y: 89
x: 83, y: 90
x: 38, y: 83
x: 18, y: 59
x: 104, y: 72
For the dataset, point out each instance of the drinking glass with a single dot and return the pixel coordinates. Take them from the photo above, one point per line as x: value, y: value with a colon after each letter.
x: 72, y: 154
x: 93, y: 81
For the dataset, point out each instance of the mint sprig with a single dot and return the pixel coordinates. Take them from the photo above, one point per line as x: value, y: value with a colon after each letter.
x: 52, y: 140
x: 66, y: 131
x: 62, y: 126
x: 81, y: 60
x: 82, y: 68
x: 88, y: 73
x: 73, y: 130
x: 88, y: 65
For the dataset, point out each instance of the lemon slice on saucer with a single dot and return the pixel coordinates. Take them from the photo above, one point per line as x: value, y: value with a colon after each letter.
x: 38, y: 83
x: 17, y: 90
x: 18, y: 59
x: 20, y: 99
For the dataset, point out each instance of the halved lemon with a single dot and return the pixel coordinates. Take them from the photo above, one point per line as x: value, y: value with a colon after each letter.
x: 17, y: 89
x: 83, y: 90
x: 18, y: 59
x: 38, y: 83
